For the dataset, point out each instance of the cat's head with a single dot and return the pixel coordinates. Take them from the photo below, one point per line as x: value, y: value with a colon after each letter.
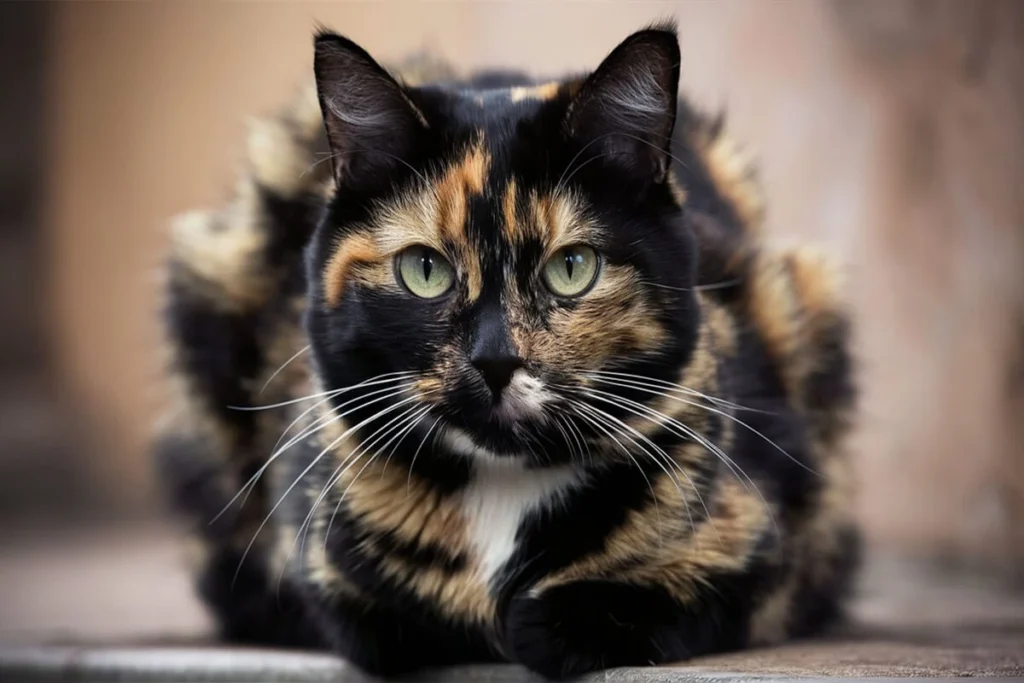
x: 487, y: 248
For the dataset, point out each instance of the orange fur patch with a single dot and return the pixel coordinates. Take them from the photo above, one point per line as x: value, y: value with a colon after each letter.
x: 509, y: 213
x: 559, y: 220
x: 358, y: 248
x: 546, y: 91
x: 462, y: 181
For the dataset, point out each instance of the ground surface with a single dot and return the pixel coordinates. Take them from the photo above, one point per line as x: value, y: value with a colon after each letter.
x: 118, y: 606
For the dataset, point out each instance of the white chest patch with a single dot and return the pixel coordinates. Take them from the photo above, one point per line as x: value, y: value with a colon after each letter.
x: 500, y: 496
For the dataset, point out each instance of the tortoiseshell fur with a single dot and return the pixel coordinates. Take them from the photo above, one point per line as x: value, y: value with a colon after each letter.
x: 700, y: 503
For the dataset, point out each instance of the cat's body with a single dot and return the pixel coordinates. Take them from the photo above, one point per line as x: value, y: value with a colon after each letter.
x: 640, y: 470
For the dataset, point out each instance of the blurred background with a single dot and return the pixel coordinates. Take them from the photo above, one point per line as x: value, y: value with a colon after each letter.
x: 889, y: 130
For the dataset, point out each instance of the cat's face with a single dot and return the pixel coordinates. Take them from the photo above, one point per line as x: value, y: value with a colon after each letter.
x: 487, y: 249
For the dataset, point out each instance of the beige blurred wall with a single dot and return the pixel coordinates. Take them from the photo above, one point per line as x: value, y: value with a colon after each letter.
x: 889, y: 154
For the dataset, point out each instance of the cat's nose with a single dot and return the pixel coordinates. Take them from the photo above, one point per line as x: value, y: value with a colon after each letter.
x: 497, y: 370
x: 492, y: 351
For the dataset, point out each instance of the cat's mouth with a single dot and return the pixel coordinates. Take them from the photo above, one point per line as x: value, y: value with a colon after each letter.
x: 503, y: 424
x: 522, y: 400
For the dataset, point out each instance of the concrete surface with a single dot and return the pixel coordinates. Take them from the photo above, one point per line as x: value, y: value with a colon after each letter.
x: 117, y: 605
x: 160, y: 665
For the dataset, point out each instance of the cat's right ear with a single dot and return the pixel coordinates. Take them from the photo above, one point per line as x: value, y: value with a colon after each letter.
x: 626, y: 109
x: 370, y: 121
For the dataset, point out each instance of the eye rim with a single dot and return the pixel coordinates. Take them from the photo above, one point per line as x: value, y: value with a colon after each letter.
x: 598, y: 266
x: 400, y: 277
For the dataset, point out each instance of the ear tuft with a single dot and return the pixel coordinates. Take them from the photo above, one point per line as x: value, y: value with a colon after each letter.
x: 371, y: 123
x: 627, y: 107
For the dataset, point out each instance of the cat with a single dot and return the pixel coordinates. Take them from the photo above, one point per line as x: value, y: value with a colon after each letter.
x: 490, y: 369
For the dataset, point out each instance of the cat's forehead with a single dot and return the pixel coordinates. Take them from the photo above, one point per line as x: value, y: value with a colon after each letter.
x: 484, y: 104
x: 485, y: 198
x: 499, y: 115
x: 480, y: 195
x: 492, y: 185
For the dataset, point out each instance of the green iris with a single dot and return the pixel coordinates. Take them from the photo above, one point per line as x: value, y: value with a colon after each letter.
x: 572, y: 270
x: 424, y: 272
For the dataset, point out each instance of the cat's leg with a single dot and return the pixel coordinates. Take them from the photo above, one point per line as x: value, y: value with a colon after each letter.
x: 253, y: 605
x: 572, y: 628
x: 247, y: 598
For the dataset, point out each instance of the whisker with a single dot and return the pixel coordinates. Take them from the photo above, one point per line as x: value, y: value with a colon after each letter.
x: 408, y: 429
x: 605, y: 375
x: 316, y: 395
x: 306, y: 471
x: 332, y: 416
x: 283, y: 366
x: 327, y: 420
x: 728, y: 416
x: 282, y: 404
x: 340, y: 470
x: 562, y: 179
x: 565, y: 437
x: 690, y: 433
x: 580, y: 166
x: 696, y: 288
x: 412, y: 463
x: 658, y: 462
x: 387, y: 429
x: 373, y: 381
x: 568, y: 166
x: 596, y: 423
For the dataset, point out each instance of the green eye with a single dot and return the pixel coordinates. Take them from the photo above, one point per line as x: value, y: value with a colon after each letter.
x: 572, y: 270
x: 424, y: 272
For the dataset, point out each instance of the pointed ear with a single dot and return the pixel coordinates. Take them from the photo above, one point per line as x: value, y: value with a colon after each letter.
x: 626, y: 109
x: 371, y: 123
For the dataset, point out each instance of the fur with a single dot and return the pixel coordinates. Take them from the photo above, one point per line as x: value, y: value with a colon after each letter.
x: 666, y: 476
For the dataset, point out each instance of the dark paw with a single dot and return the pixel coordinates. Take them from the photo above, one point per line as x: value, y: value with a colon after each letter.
x: 572, y: 629
x: 386, y: 643
x: 375, y: 643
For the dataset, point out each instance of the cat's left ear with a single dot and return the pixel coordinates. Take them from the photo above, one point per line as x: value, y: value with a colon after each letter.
x: 371, y: 122
x: 626, y: 109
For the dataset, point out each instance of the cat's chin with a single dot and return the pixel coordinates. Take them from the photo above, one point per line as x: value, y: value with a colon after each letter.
x: 488, y: 447
x: 491, y: 447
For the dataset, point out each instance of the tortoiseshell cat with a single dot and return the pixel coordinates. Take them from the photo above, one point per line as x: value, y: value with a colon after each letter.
x: 545, y: 395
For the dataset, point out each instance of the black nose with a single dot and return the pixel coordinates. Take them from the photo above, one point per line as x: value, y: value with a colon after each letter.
x: 492, y: 351
x: 497, y: 371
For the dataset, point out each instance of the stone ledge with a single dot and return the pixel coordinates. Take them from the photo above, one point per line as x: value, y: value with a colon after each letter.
x: 223, y: 665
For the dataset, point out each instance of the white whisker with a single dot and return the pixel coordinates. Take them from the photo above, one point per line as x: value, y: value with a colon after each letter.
x: 349, y: 456
x: 598, y: 375
x: 688, y: 432
x: 283, y: 366
x: 658, y: 462
x: 316, y: 395
x: 412, y: 463
x: 307, y: 470
x: 724, y: 414
x: 328, y: 419
x: 409, y: 417
x: 596, y: 423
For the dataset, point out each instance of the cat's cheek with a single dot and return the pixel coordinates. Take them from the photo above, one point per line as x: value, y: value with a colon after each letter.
x: 585, y: 626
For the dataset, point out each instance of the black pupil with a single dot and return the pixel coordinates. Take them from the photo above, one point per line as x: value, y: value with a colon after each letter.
x: 428, y: 266
x: 571, y: 260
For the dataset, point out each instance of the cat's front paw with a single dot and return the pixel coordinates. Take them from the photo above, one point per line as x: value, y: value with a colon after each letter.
x: 571, y: 629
